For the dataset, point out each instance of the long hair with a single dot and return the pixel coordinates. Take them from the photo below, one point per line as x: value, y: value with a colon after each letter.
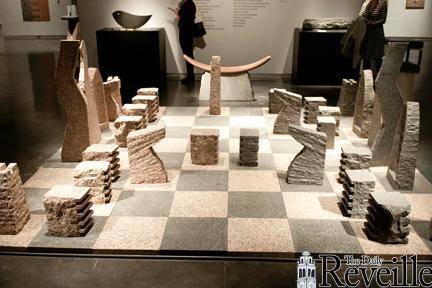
x: 372, y: 5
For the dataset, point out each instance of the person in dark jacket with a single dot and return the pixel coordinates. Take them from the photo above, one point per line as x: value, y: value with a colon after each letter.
x: 186, y: 20
x: 375, y: 14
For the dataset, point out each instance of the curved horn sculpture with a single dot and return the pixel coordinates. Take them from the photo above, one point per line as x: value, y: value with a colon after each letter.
x: 229, y: 70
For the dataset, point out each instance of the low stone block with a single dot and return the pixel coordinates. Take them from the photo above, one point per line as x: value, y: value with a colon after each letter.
x: 204, y: 146
x: 331, y: 111
x: 311, y: 105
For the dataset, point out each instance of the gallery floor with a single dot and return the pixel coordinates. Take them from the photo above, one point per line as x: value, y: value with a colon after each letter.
x: 217, y: 212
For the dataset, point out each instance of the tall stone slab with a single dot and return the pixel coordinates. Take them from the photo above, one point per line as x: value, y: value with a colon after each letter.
x: 401, y: 170
x: 327, y: 124
x: 14, y: 213
x: 290, y: 113
x: 145, y: 165
x: 365, y: 98
x: 113, y: 97
x: 308, y: 165
x: 82, y: 128
x: 391, y: 102
x: 347, y: 97
x: 215, y: 86
x: 98, y: 94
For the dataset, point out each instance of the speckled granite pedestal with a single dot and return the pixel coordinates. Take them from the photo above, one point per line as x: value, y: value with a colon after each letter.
x: 223, y: 209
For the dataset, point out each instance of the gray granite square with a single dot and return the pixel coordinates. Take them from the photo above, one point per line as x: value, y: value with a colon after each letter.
x: 120, y: 183
x: 265, y: 162
x: 211, y: 121
x: 285, y: 146
x: 195, y: 236
x: 326, y: 187
x: 178, y: 132
x: 203, y: 181
x: 144, y: 204
x: 256, y: 205
x: 246, y: 111
x: 180, y: 111
x: 34, y: 199
x: 324, y: 236
x: 43, y: 243
x: 172, y: 161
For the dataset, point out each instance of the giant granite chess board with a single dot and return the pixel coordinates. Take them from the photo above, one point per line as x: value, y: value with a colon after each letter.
x: 225, y: 209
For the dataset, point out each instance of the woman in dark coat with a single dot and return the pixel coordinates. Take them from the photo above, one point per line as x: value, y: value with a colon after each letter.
x: 186, y: 20
x: 375, y: 14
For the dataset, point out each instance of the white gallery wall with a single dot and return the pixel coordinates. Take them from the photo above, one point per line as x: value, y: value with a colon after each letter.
x: 13, y: 24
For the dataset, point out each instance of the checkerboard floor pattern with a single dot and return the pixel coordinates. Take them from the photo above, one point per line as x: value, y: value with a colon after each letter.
x: 224, y: 209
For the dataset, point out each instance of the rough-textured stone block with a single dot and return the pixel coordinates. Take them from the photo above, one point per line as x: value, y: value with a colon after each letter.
x: 144, y: 164
x: 82, y: 128
x: 308, y: 166
x: 105, y: 152
x: 327, y: 125
x: 358, y: 184
x: 113, y: 97
x: 14, y: 212
x: 215, y: 86
x: 150, y: 91
x: 136, y: 110
x: 331, y: 111
x: 152, y: 102
x: 97, y: 92
x: 401, y: 170
x: 290, y: 113
x: 355, y: 158
x: 387, y: 218
x: 249, y: 147
x: 364, y: 106
x: 311, y: 111
x: 204, y: 146
x: 68, y: 211
x: 347, y: 97
x: 97, y: 176
x: 391, y: 102
x: 124, y: 125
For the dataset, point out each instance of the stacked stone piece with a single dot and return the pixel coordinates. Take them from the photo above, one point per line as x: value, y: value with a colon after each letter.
x: 144, y: 164
x: 358, y: 184
x: 387, y: 218
x: 311, y: 105
x: 327, y: 124
x: 105, y: 152
x: 97, y: 176
x: 136, y: 110
x: 249, y: 147
x: 331, y: 111
x: 14, y: 212
x: 347, y: 97
x: 290, y: 113
x: 124, y: 125
x: 152, y: 103
x: 354, y: 158
x: 151, y: 91
x: 308, y: 165
x: 68, y: 211
x: 204, y: 146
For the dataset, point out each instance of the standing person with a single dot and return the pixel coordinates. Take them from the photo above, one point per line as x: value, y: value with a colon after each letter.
x: 372, y: 50
x: 186, y: 20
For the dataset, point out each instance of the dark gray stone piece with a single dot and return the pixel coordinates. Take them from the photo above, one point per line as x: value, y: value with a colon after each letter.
x: 358, y: 184
x: 249, y: 147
